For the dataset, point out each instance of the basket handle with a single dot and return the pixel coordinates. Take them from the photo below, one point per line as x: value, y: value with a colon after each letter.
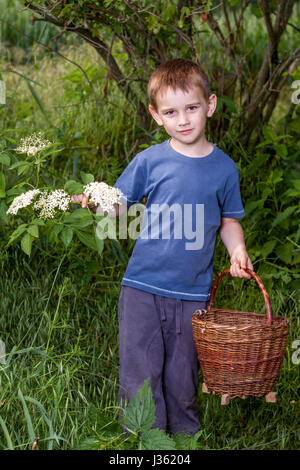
x: 260, y: 285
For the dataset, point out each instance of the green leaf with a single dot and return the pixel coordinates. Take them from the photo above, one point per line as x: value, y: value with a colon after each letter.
x: 257, y: 162
x: 5, y: 159
x: 268, y: 134
x: 281, y: 150
x: 26, y: 243
x: 156, y: 439
x: 38, y: 222
x: 87, y: 178
x: 53, y: 151
x: 22, y: 170
x: 73, y: 187
x: 55, y: 231
x: 102, y: 423
x: 16, y: 190
x: 275, y: 176
x: 18, y: 164
x: 229, y: 103
x: 283, y: 215
x: 33, y: 230
x: 296, y: 258
x: 251, y: 206
x: 80, y: 218
x: 99, y: 242
x: 290, y: 193
x: 268, y: 247
x: 286, y: 278
x: 3, y: 215
x: 17, y: 233
x: 87, y: 239
x: 89, y: 443
x: 296, y: 184
x: 285, y: 252
x: 66, y: 235
x: 2, y: 182
x: 140, y: 412
x: 265, y: 194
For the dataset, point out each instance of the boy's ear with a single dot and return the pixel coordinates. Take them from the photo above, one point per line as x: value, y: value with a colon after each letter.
x: 155, y: 115
x: 211, y: 105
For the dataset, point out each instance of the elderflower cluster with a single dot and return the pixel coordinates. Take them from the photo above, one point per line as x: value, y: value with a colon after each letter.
x: 32, y: 144
x: 21, y: 201
x: 49, y: 202
x: 103, y: 194
x: 46, y: 203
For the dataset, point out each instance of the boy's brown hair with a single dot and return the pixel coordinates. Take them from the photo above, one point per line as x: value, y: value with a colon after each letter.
x: 177, y: 73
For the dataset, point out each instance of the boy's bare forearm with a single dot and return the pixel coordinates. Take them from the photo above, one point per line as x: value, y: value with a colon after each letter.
x: 232, y: 235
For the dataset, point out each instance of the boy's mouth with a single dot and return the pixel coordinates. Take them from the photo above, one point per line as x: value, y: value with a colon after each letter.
x: 186, y: 131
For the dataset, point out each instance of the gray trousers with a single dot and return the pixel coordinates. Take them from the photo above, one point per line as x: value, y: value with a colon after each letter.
x: 156, y: 342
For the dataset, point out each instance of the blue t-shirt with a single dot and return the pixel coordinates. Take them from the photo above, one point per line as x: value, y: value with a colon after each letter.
x: 186, y: 198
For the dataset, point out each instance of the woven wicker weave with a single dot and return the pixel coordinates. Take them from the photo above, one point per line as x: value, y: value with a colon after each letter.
x: 240, y: 353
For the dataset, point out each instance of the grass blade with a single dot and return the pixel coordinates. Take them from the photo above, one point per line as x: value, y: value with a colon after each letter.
x: 35, y: 95
x: 47, y: 420
x: 6, y: 434
x: 27, y: 416
x: 33, y: 92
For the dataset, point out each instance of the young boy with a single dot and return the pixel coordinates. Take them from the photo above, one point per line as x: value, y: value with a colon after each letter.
x: 168, y: 277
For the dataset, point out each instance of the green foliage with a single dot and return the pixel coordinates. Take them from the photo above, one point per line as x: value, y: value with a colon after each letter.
x: 138, y: 419
x: 272, y: 203
x: 18, y: 31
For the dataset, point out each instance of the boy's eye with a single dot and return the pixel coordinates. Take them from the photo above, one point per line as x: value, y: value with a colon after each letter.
x: 171, y: 112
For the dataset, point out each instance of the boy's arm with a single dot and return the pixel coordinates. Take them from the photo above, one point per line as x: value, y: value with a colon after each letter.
x: 232, y: 236
x: 83, y: 200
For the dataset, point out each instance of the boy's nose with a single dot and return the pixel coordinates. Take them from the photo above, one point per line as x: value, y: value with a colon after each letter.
x: 182, y: 119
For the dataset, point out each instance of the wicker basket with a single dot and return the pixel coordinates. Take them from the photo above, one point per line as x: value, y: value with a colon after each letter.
x: 240, y: 353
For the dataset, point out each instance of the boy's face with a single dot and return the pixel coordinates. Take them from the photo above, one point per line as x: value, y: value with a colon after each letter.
x: 183, y: 114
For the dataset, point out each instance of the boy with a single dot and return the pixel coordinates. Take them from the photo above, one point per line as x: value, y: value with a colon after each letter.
x: 168, y: 277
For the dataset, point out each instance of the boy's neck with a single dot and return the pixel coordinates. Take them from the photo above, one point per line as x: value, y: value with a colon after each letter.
x: 198, y: 149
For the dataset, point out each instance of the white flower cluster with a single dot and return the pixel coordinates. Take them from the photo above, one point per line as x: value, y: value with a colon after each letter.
x: 45, y: 204
x: 49, y: 202
x: 32, y: 144
x: 103, y: 194
x: 21, y: 201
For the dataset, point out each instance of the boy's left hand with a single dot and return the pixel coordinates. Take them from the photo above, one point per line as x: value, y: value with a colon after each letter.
x: 239, y: 261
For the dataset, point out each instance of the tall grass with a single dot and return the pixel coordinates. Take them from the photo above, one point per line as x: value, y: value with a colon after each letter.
x: 55, y: 366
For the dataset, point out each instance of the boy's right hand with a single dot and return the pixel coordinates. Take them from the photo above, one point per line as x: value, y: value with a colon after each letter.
x: 81, y: 198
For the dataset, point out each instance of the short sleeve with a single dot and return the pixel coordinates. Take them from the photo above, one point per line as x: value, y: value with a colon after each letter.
x: 132, y: 182
x: 232, y: 206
